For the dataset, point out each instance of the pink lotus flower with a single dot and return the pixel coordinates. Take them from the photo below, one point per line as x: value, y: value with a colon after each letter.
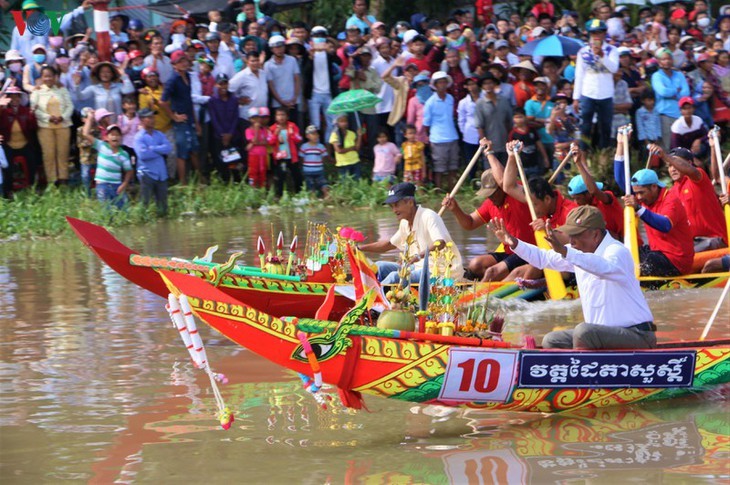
x: 357, y: 236
x: 346, y: 232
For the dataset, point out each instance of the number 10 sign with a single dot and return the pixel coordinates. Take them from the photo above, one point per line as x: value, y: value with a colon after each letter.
x: 479, y: 375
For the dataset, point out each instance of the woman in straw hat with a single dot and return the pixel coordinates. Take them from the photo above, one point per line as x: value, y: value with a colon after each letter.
x: 525, y: 72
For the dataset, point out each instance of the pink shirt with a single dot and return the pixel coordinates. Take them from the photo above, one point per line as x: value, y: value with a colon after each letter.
x: 385, y: 158
x: 129, y: 128
x: 263, y: 137
x: 414, y: 116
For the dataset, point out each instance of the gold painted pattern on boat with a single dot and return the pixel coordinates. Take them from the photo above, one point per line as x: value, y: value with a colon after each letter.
x: 429, y: 362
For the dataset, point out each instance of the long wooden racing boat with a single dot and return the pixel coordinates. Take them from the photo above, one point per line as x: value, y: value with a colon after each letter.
x: 302, y: 298
x: 454, y: 370
x: 275, y: 296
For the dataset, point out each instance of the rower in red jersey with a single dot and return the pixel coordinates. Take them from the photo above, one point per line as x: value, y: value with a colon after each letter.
x: 694, y: 189
x: 586, y: 191
x: 494, y: 266
x: 671, y: 250
x: 549, y: 203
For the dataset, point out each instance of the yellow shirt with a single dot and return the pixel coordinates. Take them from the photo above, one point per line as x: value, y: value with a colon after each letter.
x: 413, y: 155
x: 349, y: 158
x: 163, y: 122
x: 17, y: 137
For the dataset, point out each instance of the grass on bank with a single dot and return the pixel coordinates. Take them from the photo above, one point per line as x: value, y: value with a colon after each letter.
x: 32, y: 214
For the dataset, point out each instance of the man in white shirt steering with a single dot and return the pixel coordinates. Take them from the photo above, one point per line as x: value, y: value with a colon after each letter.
x: 615, y: 311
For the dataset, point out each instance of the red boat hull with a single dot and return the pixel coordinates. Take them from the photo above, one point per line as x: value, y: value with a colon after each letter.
x: 277, y: 298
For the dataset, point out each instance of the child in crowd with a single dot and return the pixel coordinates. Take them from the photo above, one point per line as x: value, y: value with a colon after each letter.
x: 347, y: 148
x: 257, y: 148
x: 414, y: 109
x: 387, y: 156
x: 414, y: 161
x: 622, y: 104
x: 562, y: 125
x: 207, y: 80
x: 648, y: 126
x: 284, y: 136
x: 534, y: 157
x: 114, y: 167
x: 313, y: 154
x: 129, y: 124
x: 87, y: 153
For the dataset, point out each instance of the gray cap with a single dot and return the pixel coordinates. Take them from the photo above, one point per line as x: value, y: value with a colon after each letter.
x: 145, y: 113
x: 501, y: 43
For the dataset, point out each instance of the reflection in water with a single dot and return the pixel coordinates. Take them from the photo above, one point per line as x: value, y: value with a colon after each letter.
x: 95, y: 386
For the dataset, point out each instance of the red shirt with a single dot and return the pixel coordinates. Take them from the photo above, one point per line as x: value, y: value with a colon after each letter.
x: 516, y: 217
x: 701, y: 205
x: 613, y: 213
x: 677, y: 244
x: 562, y: 207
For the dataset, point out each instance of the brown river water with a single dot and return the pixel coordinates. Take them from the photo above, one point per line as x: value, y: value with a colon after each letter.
x: 95, y: 386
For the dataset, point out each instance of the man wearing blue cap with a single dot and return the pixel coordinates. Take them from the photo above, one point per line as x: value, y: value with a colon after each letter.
x: 427, y: 226
x: 671, y: 250
x: 586, y: 191
x: 594, y: 87
x: 152, y: 147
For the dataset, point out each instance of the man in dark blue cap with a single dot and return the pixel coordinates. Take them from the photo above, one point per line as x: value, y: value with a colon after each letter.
x: 152, y: 147
x: 428, y: 228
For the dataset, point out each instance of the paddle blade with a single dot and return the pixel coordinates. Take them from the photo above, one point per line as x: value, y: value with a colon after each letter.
x: 554, y: 280
x: 424, y: 288
x: 631, y: 238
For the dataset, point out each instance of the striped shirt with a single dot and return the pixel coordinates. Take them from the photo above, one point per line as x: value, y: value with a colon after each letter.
x: 110, y: 165
x: 312, y: 156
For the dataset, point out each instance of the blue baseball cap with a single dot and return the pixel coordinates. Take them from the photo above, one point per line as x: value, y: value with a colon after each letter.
x: 578, y: 186
x: 646, y: 176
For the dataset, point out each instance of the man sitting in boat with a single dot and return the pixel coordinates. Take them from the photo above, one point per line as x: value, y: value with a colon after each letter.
x: 494, y: 266
x: 584, y: 190
x: 615, y: 311
x: 694, y: 189
x: 671, y: 250
x: 429, y: 231
x: 550, y: 205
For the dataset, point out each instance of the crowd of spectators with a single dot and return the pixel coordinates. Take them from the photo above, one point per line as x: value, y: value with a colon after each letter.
x: 242, y: 94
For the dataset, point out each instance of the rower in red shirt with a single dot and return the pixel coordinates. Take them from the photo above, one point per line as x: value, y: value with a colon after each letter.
x: 549, y: 203
x: 671, y: 249
x: 694, y: 189
x: 586, y: 191
x: 494, y: 266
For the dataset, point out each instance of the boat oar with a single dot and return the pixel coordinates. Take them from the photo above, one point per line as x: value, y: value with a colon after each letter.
x: 560, y: 167
x: 555, y: 283
x: 463, y: 177
x: 721, y: 170
x: 631, y: 238
x: 715, y: 311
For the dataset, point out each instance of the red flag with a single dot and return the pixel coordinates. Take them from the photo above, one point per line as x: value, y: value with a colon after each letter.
x: 323, y: 312
x: 363, y: 278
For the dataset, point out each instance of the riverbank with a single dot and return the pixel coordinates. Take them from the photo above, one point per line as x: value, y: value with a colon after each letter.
x: 33, y: 215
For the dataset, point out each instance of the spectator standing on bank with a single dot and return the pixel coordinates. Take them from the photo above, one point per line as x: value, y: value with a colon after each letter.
x: 438, y: 119
x: 493, y: 117
x: 151, y: 147
x: 669, y: 86
x: 283, y: 77
x: 594, y: 87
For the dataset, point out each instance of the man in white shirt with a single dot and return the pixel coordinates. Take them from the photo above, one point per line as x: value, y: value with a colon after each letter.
x: 429, y: 230
x: 250, y: 86
x: 615, y: 311
x: 381, y: 63
x: 593, y: 89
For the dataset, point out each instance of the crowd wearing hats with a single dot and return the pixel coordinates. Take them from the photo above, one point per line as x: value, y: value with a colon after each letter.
x: 243, y: 94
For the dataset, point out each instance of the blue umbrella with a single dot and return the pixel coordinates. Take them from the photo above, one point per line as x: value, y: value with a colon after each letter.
x: 553, y: 45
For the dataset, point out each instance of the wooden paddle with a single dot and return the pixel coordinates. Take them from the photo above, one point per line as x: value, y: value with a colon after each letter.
x: 560, y: 167
x: 631, y: 238
x: 463, y: 177
x: 555, y: 283
x: 721, y: 170
x: 715, y: 311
